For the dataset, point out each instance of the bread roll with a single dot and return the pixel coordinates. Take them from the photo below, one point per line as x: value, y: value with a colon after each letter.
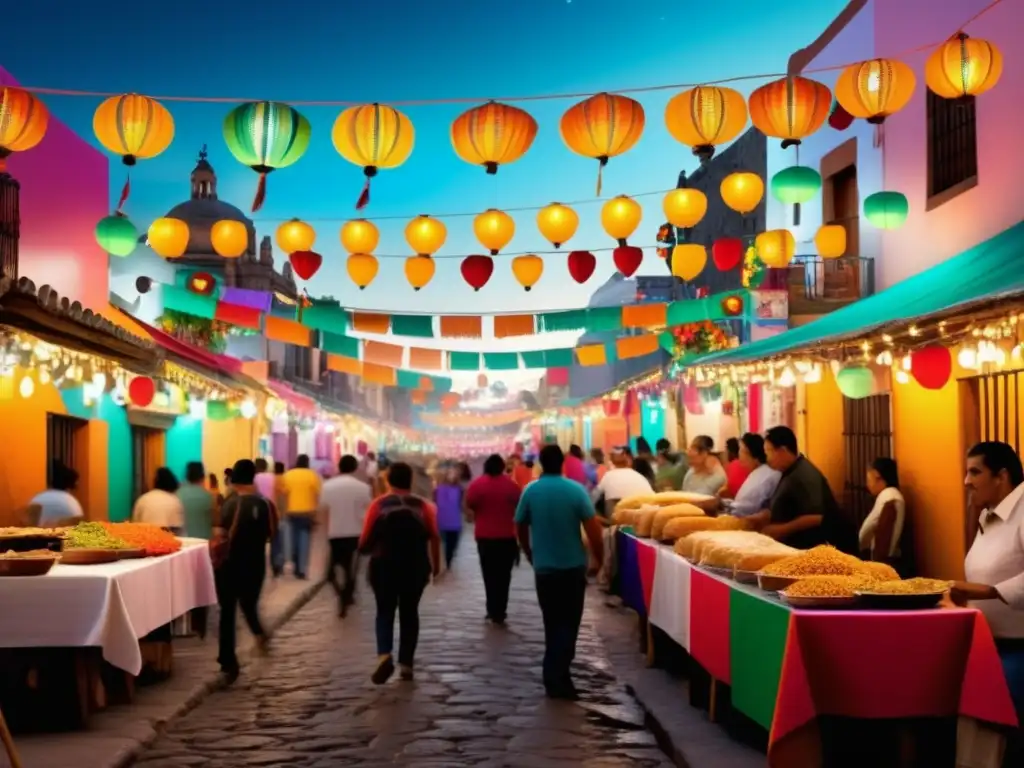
x: 666, y: 499
x: 644, y: 523
x: 665, y: 514
x: 679, y: 527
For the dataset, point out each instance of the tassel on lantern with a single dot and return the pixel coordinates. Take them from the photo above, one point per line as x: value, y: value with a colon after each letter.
x: 261, y: 192
x: 125, y: 191
x: 602, y: 162
x: 364, y: 197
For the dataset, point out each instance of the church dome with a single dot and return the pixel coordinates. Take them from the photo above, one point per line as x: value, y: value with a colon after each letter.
x: 204, y: 210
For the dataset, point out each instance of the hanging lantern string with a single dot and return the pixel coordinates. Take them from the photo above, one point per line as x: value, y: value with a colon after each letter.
x: 559, y: 252
x: 45, y: 91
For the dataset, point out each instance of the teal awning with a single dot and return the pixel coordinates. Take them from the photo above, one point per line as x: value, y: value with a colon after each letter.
x: 988, y: 271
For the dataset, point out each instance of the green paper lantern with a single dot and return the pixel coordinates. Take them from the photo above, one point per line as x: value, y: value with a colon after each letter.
x: 886, y: 210
x: 117, y: 235
x: 856, y: 382
x: 217, y: 410
x: 796, y: 184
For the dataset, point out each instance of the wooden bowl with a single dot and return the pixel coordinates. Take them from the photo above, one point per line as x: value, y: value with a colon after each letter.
x: 131, y: 554
x: 89, y: 556
x: 26, y: 566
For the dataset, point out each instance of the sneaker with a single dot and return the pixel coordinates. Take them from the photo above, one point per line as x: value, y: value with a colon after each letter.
x: 385, y: 669
x: 405, y: 672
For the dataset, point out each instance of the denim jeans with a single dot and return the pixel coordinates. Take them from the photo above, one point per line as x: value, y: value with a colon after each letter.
x: 300, y: 527
x: 561, y: 595
x: 278, y: 548
x: 401, y: 593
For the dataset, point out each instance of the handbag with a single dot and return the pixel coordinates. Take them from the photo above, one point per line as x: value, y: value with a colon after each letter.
x: 220, y: 546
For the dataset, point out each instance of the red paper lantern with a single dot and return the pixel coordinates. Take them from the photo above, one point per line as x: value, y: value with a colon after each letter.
x: 306, y: 263
x: 612, y: 407
x: 627, y: 259
x: 932, y: 366
x: 141, y: 391
x: 840, y: 119
x: 581, y: 265
x: 727, y: 253
x: 477, y: 270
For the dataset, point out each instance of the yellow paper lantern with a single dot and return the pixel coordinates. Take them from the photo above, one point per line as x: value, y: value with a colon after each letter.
x: 229, y: 239
x: 493, y: 134
x: 620, y: 217
x: 294, y: 236
x: 688, y: 260
x: 874, y: 89
x: 419, y: 270
x: 494, y: 229
x: 373, y: 136
x: 168, y: 237
x: 775, y: 247
x: 362, y: 268
x: 685, y: 207
x: 963, y: 66
x: 557, y: 223
x: 830, y: 241
x: 528, y: 269
x: 134, y: 127
x: 742, y: 191
x: 425, y: 235
x: 359, y: 236
x: 705, y: 117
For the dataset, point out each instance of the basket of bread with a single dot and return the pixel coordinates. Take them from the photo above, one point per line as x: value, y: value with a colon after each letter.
x: 640, y: 511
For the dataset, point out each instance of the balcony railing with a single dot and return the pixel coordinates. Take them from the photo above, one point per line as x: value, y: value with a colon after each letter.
x: 817, y: 286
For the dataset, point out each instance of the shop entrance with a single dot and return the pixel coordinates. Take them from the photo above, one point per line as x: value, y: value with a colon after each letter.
x: 867, y: 435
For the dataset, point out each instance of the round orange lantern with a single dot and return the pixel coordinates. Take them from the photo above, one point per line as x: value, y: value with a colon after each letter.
x: 963, y: 66
x: 830, y: 241
x: 229, y: 238
x: 168, y: 237
x: 23, y: 121
x: 294, y: 236
x: 135, y: 127
x: 872, y: 90
x: 419, y: 270
x: 688, y: 260
x: 790, y: 108
x: 705, y: 117
x: 494, y: 229
x: 685, y: 207
x: 425, y: 235
x: 620, y: 217
x: 362, y: 268
x: 557, y: 223
x: 775, y: 247
x: 493, y: 134
x: 359, y: 236
x: 742, y: 191
x: 374, y: 136
x: 602, y: 127
x: 527, y: 270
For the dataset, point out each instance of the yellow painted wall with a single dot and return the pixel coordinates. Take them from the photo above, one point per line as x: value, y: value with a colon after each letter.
x: 225, y: 442
x: 820, y: 429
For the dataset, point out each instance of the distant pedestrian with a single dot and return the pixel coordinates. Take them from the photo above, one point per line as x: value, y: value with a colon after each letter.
x: 400, y: 535
x: 246, y: 524
x: 449, y: 498
x: 161, y: 506
x: 278, y: 545
x: 550, y: 513
x: 491, y: 500
x: 301, y: 488
x: 346, y: 499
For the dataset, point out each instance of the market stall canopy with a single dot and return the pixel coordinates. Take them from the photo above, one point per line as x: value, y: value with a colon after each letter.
x: 988, y: 272
x: 58, y: 320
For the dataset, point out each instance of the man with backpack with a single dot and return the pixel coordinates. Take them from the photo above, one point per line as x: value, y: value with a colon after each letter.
x: 401, y: 538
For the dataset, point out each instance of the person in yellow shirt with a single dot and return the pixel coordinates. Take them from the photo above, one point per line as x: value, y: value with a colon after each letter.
x: 301, y: 494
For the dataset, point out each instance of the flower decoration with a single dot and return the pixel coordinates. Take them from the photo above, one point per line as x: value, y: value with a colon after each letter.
x: 699, y: 338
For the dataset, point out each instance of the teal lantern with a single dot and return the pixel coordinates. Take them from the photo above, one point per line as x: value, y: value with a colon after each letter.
x: 886, y: 210
x: 117, y: 235
x: 266, y: 135
x: 856, y: 382
x: 796, y: 184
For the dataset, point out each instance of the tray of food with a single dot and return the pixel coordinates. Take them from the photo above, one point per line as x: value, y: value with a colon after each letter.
x: 819, y: 603
x: 152, y: 540
x: 135, y: 553
x: 745, y: 577
x: 16, y: 539
x: 771, y: 583
x: 91, y: 544
x: 89, y: 556
x: 903, y: 595
x: 32, y: 563
x: 823, y: 592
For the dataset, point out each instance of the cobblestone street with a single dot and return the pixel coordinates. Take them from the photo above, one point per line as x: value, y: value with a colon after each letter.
x: 476, y: 701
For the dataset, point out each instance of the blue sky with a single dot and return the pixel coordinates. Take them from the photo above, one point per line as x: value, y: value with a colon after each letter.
x: 387, y: 50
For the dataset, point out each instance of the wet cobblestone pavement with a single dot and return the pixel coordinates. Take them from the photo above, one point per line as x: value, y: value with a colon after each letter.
x: 476, y: 700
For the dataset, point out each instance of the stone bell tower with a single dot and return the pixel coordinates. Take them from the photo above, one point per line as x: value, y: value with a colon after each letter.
x: 204, y: 180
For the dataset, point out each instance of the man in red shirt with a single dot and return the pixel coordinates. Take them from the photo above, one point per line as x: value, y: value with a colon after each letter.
x: 400, y: 535
x: 521, y: 474
x: 492, y: 500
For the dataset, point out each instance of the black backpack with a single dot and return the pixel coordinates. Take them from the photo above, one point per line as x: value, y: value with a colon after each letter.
x: 399, y: 536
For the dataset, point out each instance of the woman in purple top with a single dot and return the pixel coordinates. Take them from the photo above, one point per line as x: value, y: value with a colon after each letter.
x: 448, y: 497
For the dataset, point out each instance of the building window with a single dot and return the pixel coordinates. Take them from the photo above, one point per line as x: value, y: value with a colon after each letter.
x: 62, y: 433
x: 952, y: 146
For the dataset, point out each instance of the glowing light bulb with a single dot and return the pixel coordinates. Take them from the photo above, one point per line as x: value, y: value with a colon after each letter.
x: 787, y: 378
x: 905, y: 363
x: 197, y: 408
x: 967, y: 358
x: 44, y: 376
x: 248, y: 409
x: 99, y: 381
x: 884, y: 358
x: 26, y: 387
x: 902, y: 377
x: 813, y: 376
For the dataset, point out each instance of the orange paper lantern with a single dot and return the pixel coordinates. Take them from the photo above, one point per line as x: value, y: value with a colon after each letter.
x: 685, y: 207
x: 168, y: 237
x: 775, y: 247
x: 362, y: 268
x: 419, y: 270
x: 706, y: 117
x: 874, y: 89
x: 23, y: 121
x: 602, y: 127
x: 963, y: 66
x: 494, y: 229
x: 620, y: 217
x: 229, y: 238
x: 790, y: 108
x: 557, y: 223
x: 528, y: 270
x: 425, y: 235
x: 742, y: 191
x: 359, y: 236
x: 295, y: 235
x: 493, y: 134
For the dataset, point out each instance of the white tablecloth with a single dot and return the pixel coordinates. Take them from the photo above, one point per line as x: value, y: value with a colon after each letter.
x: 670, y: 597
x: 110, y: 606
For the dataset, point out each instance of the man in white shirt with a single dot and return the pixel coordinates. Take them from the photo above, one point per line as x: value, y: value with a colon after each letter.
x: 346, y: 499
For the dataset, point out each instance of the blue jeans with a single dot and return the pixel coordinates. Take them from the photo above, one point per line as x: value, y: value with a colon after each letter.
x: 277, y: 549
x: 301, y: 528
x: 561, y: 595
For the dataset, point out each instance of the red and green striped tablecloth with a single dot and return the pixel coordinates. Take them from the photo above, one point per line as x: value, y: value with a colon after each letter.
x: 786, y: 667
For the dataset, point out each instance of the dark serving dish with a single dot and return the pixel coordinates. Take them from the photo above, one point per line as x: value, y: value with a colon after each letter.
x: 881, y: 602
x: 30, y: 542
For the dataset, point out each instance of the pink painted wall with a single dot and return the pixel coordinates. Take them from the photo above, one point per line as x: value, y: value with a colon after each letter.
x: 997, y: 202
x: 64, y: 192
